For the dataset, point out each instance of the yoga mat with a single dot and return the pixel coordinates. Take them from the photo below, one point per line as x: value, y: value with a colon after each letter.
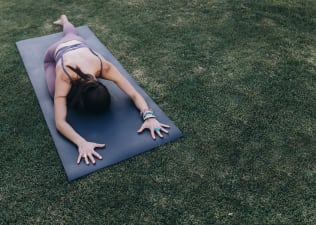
x: 117, y: 128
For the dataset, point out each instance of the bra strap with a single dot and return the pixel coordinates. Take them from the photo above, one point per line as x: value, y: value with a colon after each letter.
x: 93, y: 52
x: 62, y: 65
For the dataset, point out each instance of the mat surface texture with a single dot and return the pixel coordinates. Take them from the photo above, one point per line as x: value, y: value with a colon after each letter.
x: 117, y: 128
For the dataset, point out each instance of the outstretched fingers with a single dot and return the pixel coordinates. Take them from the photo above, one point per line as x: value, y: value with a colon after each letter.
x: 164, y: 125
x: 155, y: 128
x: 159, y: 133
x: 89, y: 154
x: 164, y: 130
x: 141, y: 129
x: 152, y: 133
x: 94, y: 153
x: 79, y: 158
x: 85, y: 158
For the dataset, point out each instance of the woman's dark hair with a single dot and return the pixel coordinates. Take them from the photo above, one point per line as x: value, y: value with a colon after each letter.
x: 87, y: 94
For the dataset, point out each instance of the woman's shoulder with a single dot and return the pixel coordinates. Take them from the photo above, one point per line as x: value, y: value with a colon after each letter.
x: 63, y: 74
x: 62, y: 85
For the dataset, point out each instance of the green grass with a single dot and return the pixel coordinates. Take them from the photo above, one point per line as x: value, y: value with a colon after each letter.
x: 237, y: 77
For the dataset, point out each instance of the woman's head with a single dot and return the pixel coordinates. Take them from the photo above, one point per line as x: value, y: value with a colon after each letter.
x: 87, y: 94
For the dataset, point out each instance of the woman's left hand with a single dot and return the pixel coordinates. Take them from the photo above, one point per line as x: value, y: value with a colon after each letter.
x: 155, y: 127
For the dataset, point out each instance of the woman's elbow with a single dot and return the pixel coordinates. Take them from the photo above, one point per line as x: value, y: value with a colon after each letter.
x: 106, y: 68
x: 59, y: 125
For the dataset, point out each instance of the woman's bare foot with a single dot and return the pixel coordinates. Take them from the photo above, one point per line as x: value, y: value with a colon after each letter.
x: 61, y: 20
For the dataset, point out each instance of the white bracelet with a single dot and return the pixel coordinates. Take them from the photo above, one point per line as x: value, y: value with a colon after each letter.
x: 148, y: 114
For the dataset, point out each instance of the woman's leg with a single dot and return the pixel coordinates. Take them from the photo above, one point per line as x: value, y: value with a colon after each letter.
x: 49, y: 60
x: 69, y: 30
x: 50, y: 71
x: 50, y: 68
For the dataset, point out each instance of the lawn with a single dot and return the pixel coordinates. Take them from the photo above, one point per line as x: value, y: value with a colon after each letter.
x: 238, y: 77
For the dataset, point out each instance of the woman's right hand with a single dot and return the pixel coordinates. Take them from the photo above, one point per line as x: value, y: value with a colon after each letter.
x: 87, y: 152
x: 85, y: 148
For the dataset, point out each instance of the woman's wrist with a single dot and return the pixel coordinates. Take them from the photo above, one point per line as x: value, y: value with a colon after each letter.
x: 80, y: 141
x: 147, y: 114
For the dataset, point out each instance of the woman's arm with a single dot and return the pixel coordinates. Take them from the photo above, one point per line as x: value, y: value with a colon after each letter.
x: 62, y: 125
x: 85, y: 148
x: 110, y: 72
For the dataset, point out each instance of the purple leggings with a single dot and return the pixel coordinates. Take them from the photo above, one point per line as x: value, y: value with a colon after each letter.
x: 49, y: 60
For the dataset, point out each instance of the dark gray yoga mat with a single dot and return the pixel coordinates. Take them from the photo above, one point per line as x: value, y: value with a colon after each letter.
x: 115, y: 128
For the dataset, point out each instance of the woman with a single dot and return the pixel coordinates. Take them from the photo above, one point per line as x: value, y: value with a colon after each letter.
x: 72, y: 69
